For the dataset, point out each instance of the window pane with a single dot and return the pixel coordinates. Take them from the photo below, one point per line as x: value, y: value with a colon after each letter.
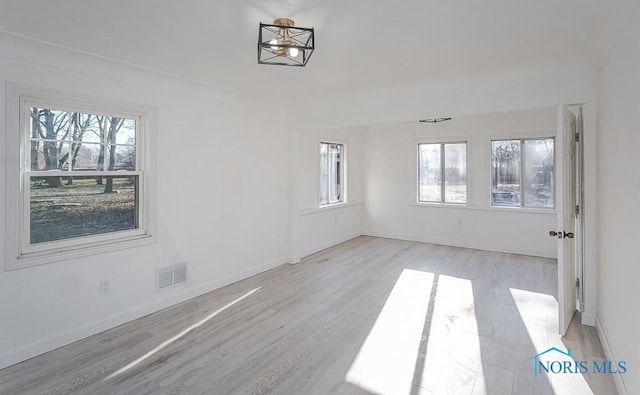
x: 429, y: 173
x: 50, y: 124
x: 91, y: 137
x: 81, y: 126
x: 87, y: 156
x: 324, y: 173
x: 49, y: 155
x: 538, y: 173
x: 123, y: 159
x: 127, y: 133
x: 505, y: 173
x: 69, y: 207
x: 455, y: 173
x: 335, y: 164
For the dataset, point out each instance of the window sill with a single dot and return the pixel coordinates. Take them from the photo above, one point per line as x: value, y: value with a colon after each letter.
x: 328, y: 207
x: 56, y: 255
x: 528, y: 210
x: 520, y: 209
x: 443, y: 204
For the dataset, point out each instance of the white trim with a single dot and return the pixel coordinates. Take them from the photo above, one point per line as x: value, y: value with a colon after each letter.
x: 533, y: 135
x: 18, y: 252
x: 617, y: 378
x: 41, y: 347
x: 588, y: 319
x: 514, y: 209
x: 81, y: 250
x: 343, y: 171
x: 329, y: 244
x: 292, y: 260
x: 442, y: 143
x: 331, y: 140
x: 589, y: 212
x: 327, y: 207
x: 475, y: 246
x: 442, y: 140
x: 522, y: 137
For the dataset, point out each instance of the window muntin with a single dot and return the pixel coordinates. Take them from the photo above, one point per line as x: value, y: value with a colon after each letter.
x: 522, y: 173
x: 331, y: 173
x: 438, y: 162
x: 81, y: 178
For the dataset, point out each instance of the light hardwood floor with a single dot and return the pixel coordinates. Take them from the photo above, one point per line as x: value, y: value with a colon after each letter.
x: 369, y: 316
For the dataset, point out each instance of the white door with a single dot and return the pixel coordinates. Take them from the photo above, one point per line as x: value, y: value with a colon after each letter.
x: 566, y: 206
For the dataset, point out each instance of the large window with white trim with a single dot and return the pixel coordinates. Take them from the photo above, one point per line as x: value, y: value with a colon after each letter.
x: 442, y: 172
x: 522, y: 173
x: 81, y: 177
x: 331, y: 173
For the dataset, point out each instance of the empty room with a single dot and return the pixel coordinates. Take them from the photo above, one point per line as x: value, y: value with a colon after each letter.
x: 319, y: 197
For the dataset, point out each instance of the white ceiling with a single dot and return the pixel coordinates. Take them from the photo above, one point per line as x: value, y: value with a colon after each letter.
x: 360, y: 43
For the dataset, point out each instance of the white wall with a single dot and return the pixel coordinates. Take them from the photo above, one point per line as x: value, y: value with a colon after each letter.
x: 390, y: 186
x: 536, y: 88
x: 221, y: 198
x: 618, y: 178
x: 318, y: 228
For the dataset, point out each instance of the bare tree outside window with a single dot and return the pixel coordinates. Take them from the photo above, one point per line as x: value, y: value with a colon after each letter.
x: 522, y: 173
x: 442, y: 172
x: 505, y: 175
x: 80, y: 147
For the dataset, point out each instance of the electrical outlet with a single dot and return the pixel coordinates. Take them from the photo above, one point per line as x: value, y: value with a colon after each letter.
x: 105, y: 287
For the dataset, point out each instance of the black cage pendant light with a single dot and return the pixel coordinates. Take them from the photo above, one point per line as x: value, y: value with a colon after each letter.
x: 284, y: 44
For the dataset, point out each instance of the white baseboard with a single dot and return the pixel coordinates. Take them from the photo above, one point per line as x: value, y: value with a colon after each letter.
x: 41, y: 347
x: 329, y: 243
x: 453, y: 243
x: 617, y: 378
x: 588, y: 319
x: 293, y: 260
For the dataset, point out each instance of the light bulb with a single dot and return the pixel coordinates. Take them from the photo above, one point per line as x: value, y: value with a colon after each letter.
x: 274, y: 44
x: 293, y: 52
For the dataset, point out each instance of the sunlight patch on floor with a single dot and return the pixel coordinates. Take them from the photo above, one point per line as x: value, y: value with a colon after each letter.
x: 386, y: 361
x: 424, y: 339
x: 453, y: 358
x: 179, y: 335
x: 539, y: 314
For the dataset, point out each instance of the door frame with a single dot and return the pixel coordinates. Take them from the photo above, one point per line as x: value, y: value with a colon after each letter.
x: 566, y: 216
x: 588, y: 214
x: 586, y: 229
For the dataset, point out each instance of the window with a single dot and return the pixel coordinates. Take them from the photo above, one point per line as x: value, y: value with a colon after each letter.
x: 442, y: 172
x: 522, y: 173
x: 81, y: 179
x: 331, y: 173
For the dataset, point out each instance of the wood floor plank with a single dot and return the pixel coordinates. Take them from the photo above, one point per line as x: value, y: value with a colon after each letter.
x: 304, y: 329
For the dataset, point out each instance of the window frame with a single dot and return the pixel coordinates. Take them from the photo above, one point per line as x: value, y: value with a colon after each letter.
x: 20, y: 252
x: 343, y: 174
x: 442, y: 172
x: 521, y: 205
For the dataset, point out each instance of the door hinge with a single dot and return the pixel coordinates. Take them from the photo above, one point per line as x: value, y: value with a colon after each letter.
x: 577, y: 210
x: 578, y: 282
x: 577, y: 137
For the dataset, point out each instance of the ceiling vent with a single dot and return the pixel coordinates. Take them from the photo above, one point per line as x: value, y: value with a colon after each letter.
x: 435, y: 120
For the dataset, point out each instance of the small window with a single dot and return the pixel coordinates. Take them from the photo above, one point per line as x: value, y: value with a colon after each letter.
x: 82, y: 184
x: 331, y: 173
x: 442, y: 172
x: 522, y: 173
